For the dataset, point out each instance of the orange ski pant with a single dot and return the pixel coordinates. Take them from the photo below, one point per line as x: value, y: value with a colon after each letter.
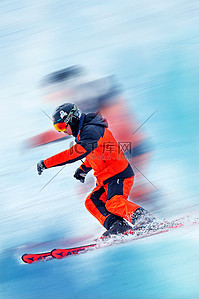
x: 109, y: 201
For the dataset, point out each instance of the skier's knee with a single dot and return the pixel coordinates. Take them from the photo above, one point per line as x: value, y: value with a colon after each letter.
x: 88, y: 203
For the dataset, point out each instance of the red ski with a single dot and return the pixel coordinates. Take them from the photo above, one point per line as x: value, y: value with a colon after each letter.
x: 60, y: 253
x: 31, y: 258
x: 138, y: 233
x: 55, y: 253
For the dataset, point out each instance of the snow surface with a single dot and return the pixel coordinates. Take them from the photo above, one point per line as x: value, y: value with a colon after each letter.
x: 153, y: 49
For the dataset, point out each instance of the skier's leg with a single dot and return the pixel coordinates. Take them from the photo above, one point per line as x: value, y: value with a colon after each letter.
x: 117, y: 193
x: 95, y: 204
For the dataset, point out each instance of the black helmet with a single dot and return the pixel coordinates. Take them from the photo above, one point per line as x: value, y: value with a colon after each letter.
x: 67, y: 113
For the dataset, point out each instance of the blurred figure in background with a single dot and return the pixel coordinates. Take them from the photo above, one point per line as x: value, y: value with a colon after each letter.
x: 108, y: 202
x: 105, y: 95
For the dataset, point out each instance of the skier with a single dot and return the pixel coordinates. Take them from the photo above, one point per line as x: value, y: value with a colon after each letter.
x: 108, y: 202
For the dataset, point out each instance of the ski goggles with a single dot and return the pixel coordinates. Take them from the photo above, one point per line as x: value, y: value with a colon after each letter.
x: 60, y: 127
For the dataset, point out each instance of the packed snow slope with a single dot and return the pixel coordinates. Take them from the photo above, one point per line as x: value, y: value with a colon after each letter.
x: 152, y: 49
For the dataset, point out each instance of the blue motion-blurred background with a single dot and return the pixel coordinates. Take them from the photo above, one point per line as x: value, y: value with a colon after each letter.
x: 137, y: 62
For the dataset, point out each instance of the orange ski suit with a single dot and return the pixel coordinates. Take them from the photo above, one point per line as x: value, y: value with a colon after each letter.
x: 114, y: 175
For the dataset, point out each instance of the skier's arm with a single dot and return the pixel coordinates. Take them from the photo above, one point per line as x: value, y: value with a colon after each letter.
x: 75, y: 153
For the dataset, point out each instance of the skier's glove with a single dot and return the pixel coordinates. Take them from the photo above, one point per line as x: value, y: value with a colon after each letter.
x: 80, y: 175
x: 40, y: 167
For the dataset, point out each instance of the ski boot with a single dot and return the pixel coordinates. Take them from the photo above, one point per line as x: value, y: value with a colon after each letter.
x: 119, y: 227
